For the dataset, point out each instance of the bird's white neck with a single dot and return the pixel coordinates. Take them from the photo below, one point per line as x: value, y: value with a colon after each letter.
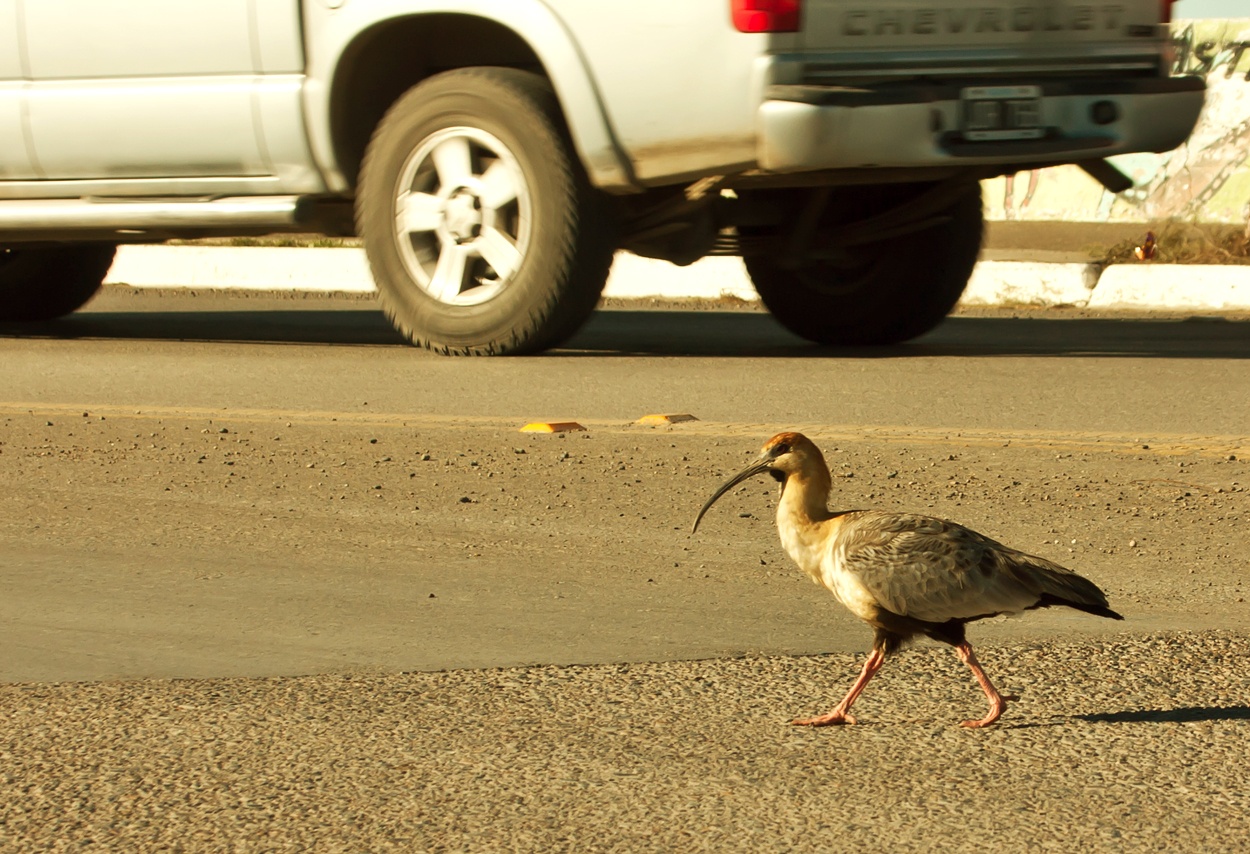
x: 801, y: 513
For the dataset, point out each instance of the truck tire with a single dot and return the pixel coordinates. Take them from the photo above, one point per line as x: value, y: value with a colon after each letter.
x: 877, y: 293
x: 47, y: 282
x: 483, y: 233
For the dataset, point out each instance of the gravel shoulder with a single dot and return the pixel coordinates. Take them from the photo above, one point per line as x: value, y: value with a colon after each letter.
x: 1132, y: 744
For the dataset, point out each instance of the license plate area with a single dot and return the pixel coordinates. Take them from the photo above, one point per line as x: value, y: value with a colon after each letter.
x: 1001, y: 112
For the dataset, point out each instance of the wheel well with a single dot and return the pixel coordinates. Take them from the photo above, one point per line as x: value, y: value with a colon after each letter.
x: 392, y: 57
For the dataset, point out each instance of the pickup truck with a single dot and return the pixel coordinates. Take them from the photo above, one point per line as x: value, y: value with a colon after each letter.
x: 494, y: 155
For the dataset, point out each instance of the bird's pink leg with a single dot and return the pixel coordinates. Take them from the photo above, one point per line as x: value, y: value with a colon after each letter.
x: 841, y: 712
x: 998, y: 702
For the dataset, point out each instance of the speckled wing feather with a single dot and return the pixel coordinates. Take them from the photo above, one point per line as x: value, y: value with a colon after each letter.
x: 935, y: 570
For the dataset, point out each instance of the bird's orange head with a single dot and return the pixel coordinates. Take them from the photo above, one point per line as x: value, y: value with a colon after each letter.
x: 790, y: 453
x: 782, y: 457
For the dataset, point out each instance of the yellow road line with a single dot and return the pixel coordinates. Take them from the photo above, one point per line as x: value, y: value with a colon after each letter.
x: 1058, y: 440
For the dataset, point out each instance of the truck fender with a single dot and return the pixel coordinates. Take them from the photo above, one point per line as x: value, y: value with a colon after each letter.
x: 333, y: 26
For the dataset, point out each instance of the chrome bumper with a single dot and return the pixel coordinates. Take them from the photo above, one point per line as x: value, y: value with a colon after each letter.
x: 804, y: 128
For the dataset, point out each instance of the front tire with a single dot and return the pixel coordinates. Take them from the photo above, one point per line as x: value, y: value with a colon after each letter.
x: 46, y: 282
x: 483, y: 233
x: 873, y: 293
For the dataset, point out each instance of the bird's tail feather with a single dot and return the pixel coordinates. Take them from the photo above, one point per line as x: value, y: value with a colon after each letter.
x: 1097, y: 610
x: 1058, y: 585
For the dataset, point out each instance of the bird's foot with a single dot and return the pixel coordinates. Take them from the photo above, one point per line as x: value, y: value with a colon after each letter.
x: 834, y: 718
x: 996, y: 712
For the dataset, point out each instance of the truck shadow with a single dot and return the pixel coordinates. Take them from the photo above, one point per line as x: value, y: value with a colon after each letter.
x: 755, y: 334
x: 681, y: 332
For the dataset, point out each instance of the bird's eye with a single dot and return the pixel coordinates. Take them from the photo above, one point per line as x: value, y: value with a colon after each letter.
x: 780, y: 449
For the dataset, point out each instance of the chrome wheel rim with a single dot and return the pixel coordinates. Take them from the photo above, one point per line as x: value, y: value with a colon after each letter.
x: 462, y: 216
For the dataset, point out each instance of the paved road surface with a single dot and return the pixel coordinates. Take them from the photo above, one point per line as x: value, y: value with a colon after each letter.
x: 244, y: 540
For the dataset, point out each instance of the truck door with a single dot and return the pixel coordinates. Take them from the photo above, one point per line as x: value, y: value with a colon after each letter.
x: 14, y: 154
x: 138, y: 89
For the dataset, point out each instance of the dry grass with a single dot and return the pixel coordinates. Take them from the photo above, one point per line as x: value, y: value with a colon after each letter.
x: 1185, y: 243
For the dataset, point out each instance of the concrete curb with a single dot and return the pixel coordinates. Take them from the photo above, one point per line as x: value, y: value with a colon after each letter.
x: 1212, y: 287
x: 1196, y: 287
x: 262, y: 268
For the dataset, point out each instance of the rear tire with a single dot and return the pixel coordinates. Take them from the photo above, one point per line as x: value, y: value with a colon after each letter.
x: 47, y: 282
x: 877, y: 293
x: 483, y: 233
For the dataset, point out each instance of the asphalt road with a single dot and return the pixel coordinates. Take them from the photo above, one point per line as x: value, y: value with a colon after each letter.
x: 271, y: 579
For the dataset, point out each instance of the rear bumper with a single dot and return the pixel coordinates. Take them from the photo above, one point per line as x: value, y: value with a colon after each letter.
x: 804, y: 128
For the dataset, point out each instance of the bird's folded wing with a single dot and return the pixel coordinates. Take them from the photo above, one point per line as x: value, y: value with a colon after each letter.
x: 934, y: 570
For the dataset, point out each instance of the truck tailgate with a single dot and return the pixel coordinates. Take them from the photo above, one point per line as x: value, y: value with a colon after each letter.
x: 953, y: 35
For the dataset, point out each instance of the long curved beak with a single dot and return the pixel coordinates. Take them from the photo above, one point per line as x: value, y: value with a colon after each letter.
x: 758, y: 467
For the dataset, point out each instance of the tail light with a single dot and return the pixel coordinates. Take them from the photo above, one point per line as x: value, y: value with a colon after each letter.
x: 769, y: 16
x: 1165, y: 11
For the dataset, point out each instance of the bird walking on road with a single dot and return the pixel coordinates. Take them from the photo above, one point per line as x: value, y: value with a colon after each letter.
x: 902, y: 573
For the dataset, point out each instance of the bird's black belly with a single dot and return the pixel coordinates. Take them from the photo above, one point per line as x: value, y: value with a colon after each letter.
x: 894, y: 630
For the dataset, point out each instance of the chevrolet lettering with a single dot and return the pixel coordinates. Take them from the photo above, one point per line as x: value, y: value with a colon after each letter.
x: 981, y: 19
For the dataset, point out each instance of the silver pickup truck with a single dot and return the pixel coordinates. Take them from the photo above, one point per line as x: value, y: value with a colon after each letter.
x: 493, y: 155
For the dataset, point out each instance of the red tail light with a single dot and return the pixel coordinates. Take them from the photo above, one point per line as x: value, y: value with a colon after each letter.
x: 1165, y: 11
x: 766, y: 16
